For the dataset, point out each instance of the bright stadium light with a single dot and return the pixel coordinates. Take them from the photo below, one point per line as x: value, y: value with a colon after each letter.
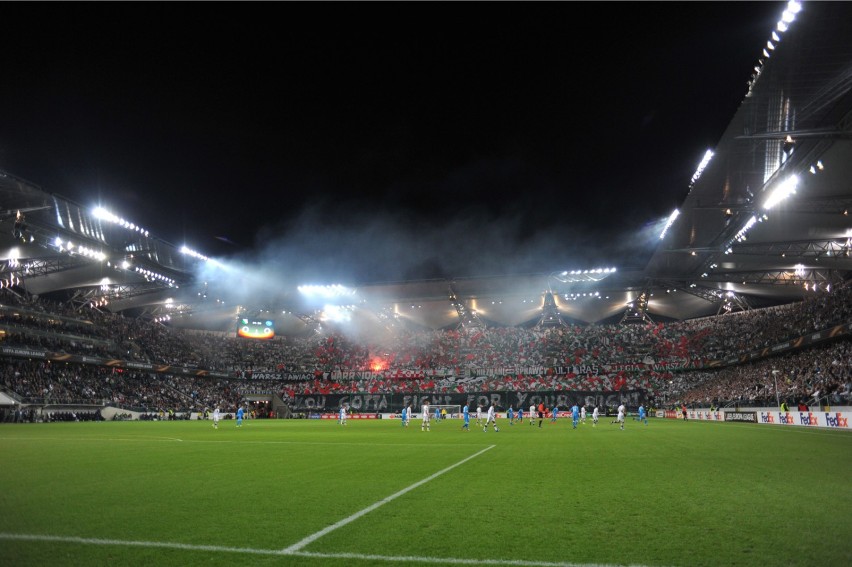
x: 337, y: 313
x: 101, y: 213
x: 741, y: 235
x: 325, y: 291
x: 190, y: 252
x: 782, y: 191
x: 708, y: 155
x: 593, y: 275
x: 672, y: 217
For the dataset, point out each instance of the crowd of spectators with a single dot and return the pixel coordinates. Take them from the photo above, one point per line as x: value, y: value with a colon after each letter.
x: 589, y: 358
x: 813, y: 376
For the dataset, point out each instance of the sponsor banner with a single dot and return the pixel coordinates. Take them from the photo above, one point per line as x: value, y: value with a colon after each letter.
x: 109, y: 362
x: 746, y: 416
x: 834, y: 420
x: 391, y: 403
x: 28, y: 353
x: 705, y: 415
x: 795, y: 344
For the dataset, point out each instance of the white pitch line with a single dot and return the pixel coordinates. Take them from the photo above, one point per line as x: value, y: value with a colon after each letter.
x: 284, y: 552
x: 131, y: 543
x: 313, y: 537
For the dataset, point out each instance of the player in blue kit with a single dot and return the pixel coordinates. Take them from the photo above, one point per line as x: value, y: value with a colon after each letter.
x: 521, y: 414
x: 240, y: 417
x: 642, y: 415
x: 511, y: 415
x: 575, y: 415
x: 404, y: 416
x: 466, y: 415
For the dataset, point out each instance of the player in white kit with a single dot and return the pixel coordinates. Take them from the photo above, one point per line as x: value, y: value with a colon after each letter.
x: 424, y: 425
x: 491, y: 417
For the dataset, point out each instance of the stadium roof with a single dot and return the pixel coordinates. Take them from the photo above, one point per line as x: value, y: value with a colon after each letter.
x: 765, y: 221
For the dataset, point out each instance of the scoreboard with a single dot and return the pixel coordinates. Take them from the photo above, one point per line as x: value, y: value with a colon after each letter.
x: 255, y: 328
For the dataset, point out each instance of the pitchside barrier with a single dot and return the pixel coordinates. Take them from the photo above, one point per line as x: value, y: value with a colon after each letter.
x: 837, y: 418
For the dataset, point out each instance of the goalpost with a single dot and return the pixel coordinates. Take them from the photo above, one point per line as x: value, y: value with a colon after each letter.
x: 453, y: 411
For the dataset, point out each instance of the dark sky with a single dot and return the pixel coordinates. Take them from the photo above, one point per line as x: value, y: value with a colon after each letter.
x: 380, y: 141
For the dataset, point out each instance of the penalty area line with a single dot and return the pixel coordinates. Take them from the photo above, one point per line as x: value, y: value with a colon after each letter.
x: 284, y: 552
x: 315, y: 536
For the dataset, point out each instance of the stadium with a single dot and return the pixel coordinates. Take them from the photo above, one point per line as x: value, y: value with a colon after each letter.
x: 126, y: 359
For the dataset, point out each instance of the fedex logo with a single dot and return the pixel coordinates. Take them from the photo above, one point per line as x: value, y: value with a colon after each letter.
x: 766, y: 417
x: 836, y: 420
x: 786, y: 419
x: 809, y: 419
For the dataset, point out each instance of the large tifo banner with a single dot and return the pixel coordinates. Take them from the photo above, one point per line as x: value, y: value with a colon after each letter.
x: 390, y: 403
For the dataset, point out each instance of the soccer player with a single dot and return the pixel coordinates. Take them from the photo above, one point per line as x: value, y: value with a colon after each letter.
x: 521, y: 414
x: 409, y: 416
x: 541, y: 412
x: 532, y: 413
x: 554, y: 414
x: 511, y: 415
x: 216, y: 418
x: 424, y: 425
x: 620, y: 418
x: 595, y: 415
x: 342, y: 419
x: 491, y: 418
x: 404, y: 416
x: 466, y: 414
x: 240, y: 416
x: 642, y: 416
x: 583, y: 413
x: 575, y: 415
x: 479, y: 415
x: 437, y: 414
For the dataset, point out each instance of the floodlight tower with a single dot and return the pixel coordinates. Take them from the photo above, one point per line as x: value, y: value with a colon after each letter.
x: 637, y: 311
x: 732, y: 302
x: 468, y: 319
x: 550, y: 316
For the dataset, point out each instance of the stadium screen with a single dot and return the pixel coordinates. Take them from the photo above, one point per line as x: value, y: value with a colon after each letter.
x: 255, y: 328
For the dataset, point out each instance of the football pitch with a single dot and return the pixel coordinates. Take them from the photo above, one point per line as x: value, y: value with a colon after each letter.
x: 311, y: 492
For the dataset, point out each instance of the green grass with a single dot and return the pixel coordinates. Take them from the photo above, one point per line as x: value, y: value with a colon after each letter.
x: 671, y: 493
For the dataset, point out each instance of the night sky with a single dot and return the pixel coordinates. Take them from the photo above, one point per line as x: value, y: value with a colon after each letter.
x: 384, y: 141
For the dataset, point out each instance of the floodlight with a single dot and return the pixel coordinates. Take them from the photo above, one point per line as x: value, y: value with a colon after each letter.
x: 781, y: 191
x: 672, y: 217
